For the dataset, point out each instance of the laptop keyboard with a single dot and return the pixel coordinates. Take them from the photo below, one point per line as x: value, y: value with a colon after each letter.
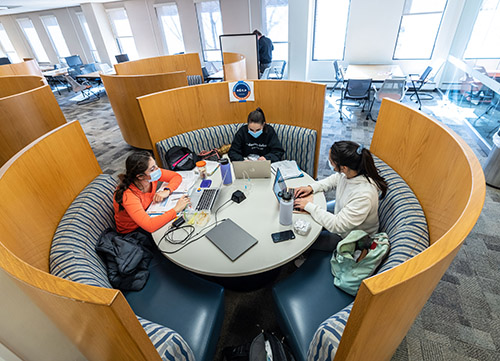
x: 206, y: 199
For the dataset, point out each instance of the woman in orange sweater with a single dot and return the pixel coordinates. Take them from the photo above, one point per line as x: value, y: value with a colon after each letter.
x: 137, y: 190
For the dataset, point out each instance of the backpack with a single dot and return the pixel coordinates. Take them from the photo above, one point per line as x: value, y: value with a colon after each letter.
x: 265, y: 346
x: 180, y: 158
x: 357, y: 257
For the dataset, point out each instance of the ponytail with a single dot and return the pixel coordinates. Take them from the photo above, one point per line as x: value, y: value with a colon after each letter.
x: 257, y: 116
x: 136, y: 164
x: 359, y: 159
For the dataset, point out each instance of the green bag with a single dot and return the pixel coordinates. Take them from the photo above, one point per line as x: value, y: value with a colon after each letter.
x: 347, y: 272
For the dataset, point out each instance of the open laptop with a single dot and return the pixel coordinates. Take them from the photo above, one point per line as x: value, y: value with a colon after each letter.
x: 279, y: 185
x: 252, y: 169
x: 204, y: 198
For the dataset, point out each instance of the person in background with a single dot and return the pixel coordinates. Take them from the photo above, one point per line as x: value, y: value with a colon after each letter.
x: 256, y: 140
x: 137, y: 190
x: 266, y: 48
x: 358, y: 187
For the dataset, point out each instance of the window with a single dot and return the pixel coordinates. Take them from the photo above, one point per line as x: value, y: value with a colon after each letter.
x: 6, y: 46
x: 123, y: 32
x: 55, y: 35
x: 483, y: 42
x: 330, y: 29
x: 33, y: 39
x: 276, y: 26
x: 88, y: 37
x: 418, y: 29
x: 210, y: 26
x: 168, y: 17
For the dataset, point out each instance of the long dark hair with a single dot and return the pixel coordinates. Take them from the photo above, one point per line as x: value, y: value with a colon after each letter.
x: 257, y: 116
x: 136, y: 164
x: 356, y: 157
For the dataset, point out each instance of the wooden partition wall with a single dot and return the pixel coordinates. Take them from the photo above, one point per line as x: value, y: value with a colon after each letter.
x: 448, y: 181
x: 29, y: 67
x: 235, y: 66
x: 14, y: 84
x: 36, y: 187
x: 177, y: 111
x: 26, y: 116
x: 190, y: 63
x: 122, y: 92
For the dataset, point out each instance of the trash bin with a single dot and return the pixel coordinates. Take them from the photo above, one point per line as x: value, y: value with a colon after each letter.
x: 492, y: 166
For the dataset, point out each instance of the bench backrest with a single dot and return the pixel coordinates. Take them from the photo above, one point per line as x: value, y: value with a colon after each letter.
x: 299, y: 143
x: 14, y: 84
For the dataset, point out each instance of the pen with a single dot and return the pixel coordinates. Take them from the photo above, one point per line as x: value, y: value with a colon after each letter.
x: 212, y: 172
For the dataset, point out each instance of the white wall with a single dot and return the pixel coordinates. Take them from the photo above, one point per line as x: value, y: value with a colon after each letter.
x: 235, y: 16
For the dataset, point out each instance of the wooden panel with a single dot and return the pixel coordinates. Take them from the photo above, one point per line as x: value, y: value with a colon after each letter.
x: 26, y: 116
x: 207, y: 105
x: 190, y: 63
x: 235, y: 67
x: 122, y: 92
x: 10, y: 85
x: 448, y: 180
x: 29, y: 67
x: 36, y: 187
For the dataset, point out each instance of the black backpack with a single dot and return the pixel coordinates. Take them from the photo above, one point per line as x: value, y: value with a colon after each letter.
x: 180, y: 158
x: 256, y: 350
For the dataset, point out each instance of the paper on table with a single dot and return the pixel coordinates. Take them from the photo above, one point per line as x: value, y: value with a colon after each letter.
x: 288, y: 168
x: 188, y: 180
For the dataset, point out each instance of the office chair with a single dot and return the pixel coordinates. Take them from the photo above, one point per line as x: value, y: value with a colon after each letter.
x: 339, y: 76
x: 356, y: 89
x: 474, y: 91
x: 391, y: 88
x: 417, y: 84
x: 265, y: 74
x: 84, y: 88
x: 277, y: 69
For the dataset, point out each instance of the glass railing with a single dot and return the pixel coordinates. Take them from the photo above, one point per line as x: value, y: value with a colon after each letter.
x: 471, y: 96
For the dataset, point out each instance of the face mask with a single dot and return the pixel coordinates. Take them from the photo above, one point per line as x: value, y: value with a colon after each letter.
x: 255, y: 134
x: 155, y: 175
x: 331, y: 166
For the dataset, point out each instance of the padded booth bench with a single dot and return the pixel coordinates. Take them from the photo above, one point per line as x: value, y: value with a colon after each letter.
x: 299, y: 143
x: 172, y: 296
x: 312, y: 312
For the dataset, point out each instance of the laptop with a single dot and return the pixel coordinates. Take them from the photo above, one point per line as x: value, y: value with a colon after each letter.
x: 279, y: 185
x: 252, y: 169
x: 231, y: 239
x: 204, y: 198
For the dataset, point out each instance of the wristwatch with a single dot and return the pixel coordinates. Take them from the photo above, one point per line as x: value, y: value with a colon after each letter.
x: 167, y: 189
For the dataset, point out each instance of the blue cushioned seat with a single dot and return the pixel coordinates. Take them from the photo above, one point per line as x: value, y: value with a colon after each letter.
x: 191, y: 305
x: 300, y: 308
x: 299, y: 143
x: 195, y: 304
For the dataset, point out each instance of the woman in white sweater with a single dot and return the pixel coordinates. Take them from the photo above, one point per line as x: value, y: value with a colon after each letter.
x: 358, y: 187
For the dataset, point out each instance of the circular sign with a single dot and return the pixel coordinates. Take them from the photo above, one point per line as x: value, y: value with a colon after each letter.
x: 241, y: 90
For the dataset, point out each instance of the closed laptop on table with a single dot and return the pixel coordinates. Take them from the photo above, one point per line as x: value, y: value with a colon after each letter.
x: 231, y: 239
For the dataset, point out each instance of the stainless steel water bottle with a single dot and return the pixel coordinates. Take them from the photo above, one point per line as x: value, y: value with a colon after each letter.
x: 286, y: 208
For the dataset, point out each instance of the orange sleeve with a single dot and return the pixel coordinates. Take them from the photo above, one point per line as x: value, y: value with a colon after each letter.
x: 173, y: 179
x: 136, y: 211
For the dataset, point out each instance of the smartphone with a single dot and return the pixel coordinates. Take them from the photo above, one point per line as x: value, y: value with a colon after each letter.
x: 282, y: 236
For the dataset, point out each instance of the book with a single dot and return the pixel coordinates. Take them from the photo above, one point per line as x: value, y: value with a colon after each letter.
x: 289, y: 169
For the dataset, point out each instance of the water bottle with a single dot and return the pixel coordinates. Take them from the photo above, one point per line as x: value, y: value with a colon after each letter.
x: 225, y: 169
x: 286, y: 208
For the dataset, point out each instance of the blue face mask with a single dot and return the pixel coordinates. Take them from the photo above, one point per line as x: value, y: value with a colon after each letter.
x: 255, y: 134
x: 155, y: 175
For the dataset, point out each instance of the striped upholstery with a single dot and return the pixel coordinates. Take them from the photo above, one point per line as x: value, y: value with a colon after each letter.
x: 402, y: 218
x: 194, y: 79
x: 299, y: 143
x: 73, y: 256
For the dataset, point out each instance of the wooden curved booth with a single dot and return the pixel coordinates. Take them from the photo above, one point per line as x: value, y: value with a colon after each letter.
x: 29, y: 67
x: 99, y: 321
x: 14, y: 84
x: 122, y: 92
x: 235, y: 66
x: 26, y: 116
x: 190, y: 63
x: 177, y: 111
x: 448, y: 181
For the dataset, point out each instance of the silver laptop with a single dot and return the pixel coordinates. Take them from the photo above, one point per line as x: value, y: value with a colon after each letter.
x: 204, y: 198
x: 252, y: 169
x: 231, y: 239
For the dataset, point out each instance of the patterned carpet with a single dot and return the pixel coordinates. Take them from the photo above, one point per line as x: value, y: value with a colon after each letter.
x: 461, y: 320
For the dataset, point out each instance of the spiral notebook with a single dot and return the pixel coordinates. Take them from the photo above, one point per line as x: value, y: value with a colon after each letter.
x: 231, y: 239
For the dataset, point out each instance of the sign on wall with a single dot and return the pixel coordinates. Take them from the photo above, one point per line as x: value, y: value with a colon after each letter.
x: 241, y: 91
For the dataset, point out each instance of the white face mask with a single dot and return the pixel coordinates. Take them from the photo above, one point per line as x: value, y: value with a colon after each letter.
x: 155, y: 175
x: 331, y: 166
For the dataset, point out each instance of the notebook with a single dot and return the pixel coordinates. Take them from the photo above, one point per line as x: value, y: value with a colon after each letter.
x: 252, y: 169
x: 231, y: 239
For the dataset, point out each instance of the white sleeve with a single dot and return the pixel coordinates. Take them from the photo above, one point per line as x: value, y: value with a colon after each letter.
x: 350, y: 216
x: 326, y: 184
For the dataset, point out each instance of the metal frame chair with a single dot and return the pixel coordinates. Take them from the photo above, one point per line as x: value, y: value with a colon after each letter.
x: 84, y: 87
x: 277, y: 69
x: 417, y: 84
x: 394, y: 88
x: 356, y: 89
x: 339, y: 76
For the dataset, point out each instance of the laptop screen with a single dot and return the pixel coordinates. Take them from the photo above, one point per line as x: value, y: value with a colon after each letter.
x: 279, y: 184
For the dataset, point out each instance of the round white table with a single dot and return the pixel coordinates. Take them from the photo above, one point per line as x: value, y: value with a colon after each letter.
x: 258, y: 214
